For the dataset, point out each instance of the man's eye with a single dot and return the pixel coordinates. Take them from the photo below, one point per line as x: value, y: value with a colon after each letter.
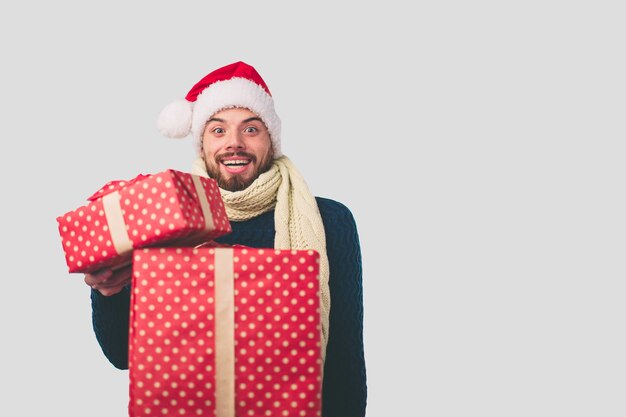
x: 251, y: 129
x: 218, y: 130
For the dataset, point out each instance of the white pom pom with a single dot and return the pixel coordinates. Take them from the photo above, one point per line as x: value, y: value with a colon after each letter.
x: 174, y: 121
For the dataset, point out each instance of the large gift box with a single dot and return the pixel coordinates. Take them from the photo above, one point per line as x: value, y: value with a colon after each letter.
x: 168, y: 208
x: 225, y: 332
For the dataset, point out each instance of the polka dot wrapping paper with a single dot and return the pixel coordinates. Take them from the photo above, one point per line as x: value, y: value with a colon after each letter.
x: 170, y: 208
x: 225, y: 332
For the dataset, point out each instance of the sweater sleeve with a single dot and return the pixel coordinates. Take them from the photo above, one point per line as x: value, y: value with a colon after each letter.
x: 110, y: 319
x: 344, y: 388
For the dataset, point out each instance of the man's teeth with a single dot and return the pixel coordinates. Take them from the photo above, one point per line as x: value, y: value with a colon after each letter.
x: 236, y: 162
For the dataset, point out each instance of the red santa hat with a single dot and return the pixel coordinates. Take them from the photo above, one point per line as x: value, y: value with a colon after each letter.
x: 235, y: 85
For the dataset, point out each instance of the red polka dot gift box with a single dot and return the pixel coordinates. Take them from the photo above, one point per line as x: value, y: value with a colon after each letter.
x: 225, y: 332
x: 165, y: 209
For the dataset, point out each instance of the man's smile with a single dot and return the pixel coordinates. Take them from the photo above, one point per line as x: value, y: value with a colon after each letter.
x: 235, y: 164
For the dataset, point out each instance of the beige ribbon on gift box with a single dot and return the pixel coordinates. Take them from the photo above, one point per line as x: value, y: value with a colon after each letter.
x: 115, y: 220
x: 117, y: 226
x: 224, y: 333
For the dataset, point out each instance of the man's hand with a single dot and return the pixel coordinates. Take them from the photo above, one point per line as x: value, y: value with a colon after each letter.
x: 108, y: 281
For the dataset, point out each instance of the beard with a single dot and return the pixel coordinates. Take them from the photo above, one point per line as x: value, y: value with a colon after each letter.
x: 237, y: 182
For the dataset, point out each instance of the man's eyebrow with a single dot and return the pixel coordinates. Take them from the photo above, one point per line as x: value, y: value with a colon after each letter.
x: 251, y: 119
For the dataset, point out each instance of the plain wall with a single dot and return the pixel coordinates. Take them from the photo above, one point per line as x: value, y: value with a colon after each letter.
x: 479, y: 146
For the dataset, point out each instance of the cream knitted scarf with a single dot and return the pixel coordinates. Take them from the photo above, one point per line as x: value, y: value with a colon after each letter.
x: 297, y: 218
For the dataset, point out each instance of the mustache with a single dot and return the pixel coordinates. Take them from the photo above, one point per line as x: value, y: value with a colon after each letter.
x: 244, y: 154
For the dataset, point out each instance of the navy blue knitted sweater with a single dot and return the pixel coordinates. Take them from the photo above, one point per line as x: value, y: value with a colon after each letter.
x: 344, y: 387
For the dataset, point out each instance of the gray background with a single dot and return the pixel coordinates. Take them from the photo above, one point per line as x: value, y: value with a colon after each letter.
x: 479, y: 146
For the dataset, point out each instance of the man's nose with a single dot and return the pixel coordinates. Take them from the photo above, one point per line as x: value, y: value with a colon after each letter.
x: 235, y: 141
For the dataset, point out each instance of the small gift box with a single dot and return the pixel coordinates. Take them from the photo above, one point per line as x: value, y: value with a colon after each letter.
x: 167, y: 208
x: 225, y: 331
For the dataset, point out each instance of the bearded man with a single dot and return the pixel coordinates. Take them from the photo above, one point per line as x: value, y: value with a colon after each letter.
x: 230, y: 114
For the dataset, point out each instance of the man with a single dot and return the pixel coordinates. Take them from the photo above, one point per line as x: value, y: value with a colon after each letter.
x: 230, y: 113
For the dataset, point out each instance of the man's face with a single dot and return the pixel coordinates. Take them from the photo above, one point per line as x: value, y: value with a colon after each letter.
x: 236, y: 148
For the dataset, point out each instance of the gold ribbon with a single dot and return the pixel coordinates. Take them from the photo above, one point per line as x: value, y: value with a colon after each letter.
x: 115, y: 220
x: 204, y: 203
x: 224, y: 333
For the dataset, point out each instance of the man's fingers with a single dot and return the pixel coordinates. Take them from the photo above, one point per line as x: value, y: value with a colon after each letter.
x: 97, y: 277
x: 121, y: 275
x: 108, y: 281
